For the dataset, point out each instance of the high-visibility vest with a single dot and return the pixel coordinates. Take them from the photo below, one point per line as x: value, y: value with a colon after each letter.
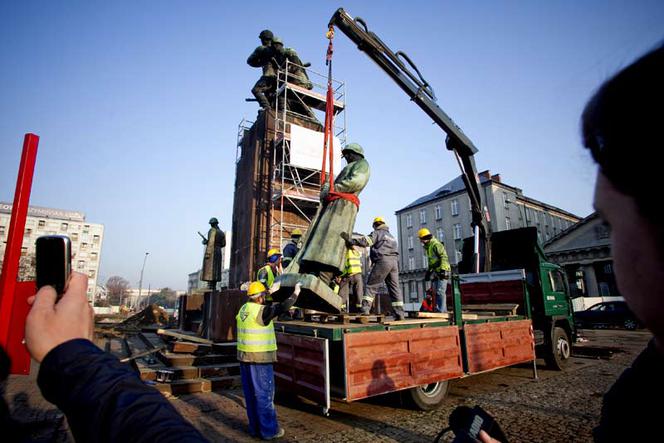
x: 251, y: 336
x: 270, y: 276
x: 437, y: 256
x: 353, y: 262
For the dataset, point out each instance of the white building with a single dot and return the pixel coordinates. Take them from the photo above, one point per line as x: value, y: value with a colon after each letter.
x: 86, y: 239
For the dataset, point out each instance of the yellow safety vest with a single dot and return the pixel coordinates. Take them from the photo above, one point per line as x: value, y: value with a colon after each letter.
x: 270, y: 276
x: 353, y: 262
x: 251, y: 336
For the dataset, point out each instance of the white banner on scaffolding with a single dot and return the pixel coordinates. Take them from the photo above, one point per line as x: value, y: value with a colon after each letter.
x: 306, y: 149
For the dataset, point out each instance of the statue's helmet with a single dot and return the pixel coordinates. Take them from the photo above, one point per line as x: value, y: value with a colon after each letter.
x: 266, y: 34
x: 214, y: 221
x: 353, y: 147
x: 277, y: 40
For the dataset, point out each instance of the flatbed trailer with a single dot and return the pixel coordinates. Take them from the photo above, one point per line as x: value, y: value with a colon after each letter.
x: 350, y: 362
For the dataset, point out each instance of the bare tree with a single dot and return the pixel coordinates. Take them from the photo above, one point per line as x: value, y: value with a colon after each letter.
x: 166, y: 297
x: 118, y: 289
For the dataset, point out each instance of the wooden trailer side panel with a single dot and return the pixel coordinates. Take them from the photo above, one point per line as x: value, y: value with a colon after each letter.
x: 379, y: 362
x: 302, y: 367
x: 497, y: 344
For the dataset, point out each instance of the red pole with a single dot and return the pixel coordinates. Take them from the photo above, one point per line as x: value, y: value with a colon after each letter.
x: 9, y: 324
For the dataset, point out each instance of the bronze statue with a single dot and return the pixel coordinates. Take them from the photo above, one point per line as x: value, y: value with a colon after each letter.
x: 323, y: 253
x: 214, y: 242
x: 263, y: 57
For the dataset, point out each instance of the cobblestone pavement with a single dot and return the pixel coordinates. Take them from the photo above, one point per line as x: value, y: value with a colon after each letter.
x: 560, y: 406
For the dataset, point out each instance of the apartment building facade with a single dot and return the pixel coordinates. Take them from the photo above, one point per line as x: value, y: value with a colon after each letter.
x: 86, y: 240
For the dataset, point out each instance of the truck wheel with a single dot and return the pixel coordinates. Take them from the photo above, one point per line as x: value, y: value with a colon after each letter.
x: 560, y: 351
x: 428, y: 397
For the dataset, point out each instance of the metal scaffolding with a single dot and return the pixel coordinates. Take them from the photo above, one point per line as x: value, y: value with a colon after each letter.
x: 300, y: 101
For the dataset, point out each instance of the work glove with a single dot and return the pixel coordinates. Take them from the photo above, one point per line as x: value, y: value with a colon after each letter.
x: 297, y: 289
x: 443, y: 275
x: 427, y: 275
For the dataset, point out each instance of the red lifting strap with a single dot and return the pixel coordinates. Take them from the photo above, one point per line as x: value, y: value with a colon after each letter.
x: 332, y: 196
x: 328, y: 144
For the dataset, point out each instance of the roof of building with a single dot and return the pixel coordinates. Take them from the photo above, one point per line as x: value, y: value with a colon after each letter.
x: 450, y: 187
x: 41, y: 212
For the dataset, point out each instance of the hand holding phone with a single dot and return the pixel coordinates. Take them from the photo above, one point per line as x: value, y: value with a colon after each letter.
x: 53, y: 255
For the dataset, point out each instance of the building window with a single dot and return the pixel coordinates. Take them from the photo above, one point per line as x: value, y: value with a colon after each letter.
x: 41, y: 223
x: 508, y: 223
x: 64, y: 226
x: 411, y: 263
x: 93, y: 256
x: 602, y: 231
x: 84, y: 246
x: 24, y: 251
x: 423, y: 216
x: 454, y: 207
x: 410, y: 242
x: 457, y: 231
x: 409, y: 221
x: 81, y: 264
x: 439, y: 212
x: 95, y: 239
x: 27, y: 232
x: 440, y: 234
x: 412, y: 286
x: 2, y: 230
x: 425, y: 261
x: 74, y: 236
x: 506, y: 200
x: 91, y: 273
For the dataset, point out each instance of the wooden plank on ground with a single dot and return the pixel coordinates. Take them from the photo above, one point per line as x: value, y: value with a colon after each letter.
x: 182, y: 336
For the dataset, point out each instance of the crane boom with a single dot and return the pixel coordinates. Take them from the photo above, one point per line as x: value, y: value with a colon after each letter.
x: 420, y: 92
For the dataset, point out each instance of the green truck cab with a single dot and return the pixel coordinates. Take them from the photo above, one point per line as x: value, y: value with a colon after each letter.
x: 547, y: 292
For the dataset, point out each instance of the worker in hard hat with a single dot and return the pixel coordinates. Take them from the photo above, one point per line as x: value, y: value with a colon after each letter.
x: 257, y: 352
x: 438, y: 269
x: 292, y: 248
x: 272, y: 269
x: 384, y: 254
x: 351, y: 286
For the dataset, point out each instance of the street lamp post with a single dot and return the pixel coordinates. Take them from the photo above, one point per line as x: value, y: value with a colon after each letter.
x: 140, y: 282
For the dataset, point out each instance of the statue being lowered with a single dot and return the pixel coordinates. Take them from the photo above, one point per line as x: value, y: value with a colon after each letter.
x: 322, y: 256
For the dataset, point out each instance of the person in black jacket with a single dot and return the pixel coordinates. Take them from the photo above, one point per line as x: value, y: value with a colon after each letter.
x: 103, y: 399
x: 622, y: 126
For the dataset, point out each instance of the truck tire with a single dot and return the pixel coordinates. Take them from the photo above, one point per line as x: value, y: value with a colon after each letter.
x: 560, y: 350
x: 428, y: 397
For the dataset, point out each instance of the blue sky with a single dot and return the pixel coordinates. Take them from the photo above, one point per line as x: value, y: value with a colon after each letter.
x: 137, y: 104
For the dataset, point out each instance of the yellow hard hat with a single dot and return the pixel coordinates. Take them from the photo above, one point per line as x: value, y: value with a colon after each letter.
x: 378, y: 220
x: 256, y: 288
x: 273, y: 251
x: 296, y: 232
x: 424, y: 232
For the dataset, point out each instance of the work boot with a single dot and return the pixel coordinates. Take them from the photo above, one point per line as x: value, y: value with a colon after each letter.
x: 366, y: 308
x: 280, y: 433
x: 399, y: 314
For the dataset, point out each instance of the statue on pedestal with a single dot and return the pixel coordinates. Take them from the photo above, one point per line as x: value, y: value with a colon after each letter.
x: 214, y: 243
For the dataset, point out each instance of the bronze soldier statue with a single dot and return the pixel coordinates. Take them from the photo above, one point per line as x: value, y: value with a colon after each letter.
x: 214, y: 242
x: 263, y: 57
x: 323, y: 253
x: 296, y: 72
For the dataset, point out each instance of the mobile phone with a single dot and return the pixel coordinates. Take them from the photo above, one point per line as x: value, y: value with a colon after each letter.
x: 53, y: 254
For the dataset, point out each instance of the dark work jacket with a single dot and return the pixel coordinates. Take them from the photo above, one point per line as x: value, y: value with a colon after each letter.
x: 382, y: 242
x: 632, y: 409
x: 105, y: 400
